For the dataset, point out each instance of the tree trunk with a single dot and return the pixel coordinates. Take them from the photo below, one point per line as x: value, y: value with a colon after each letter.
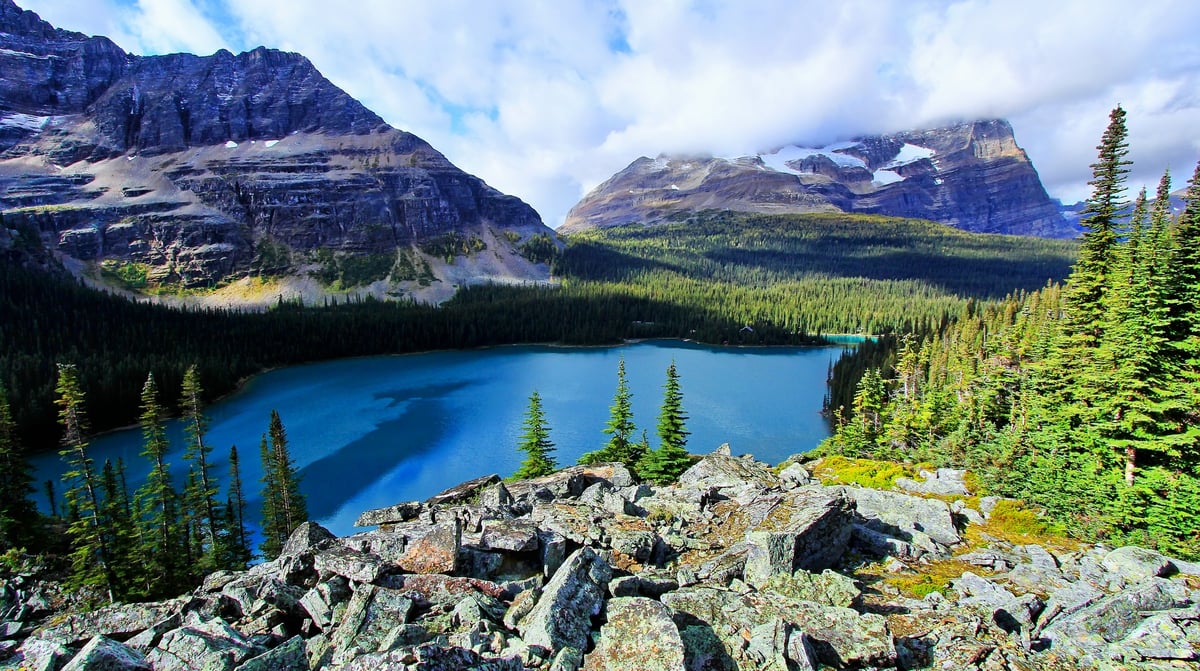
x: 1130, y: 463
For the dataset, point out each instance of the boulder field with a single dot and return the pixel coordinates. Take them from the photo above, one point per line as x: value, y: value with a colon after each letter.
x: 737, y: 566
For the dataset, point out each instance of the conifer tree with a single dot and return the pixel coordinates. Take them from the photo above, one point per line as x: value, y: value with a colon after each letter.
x: 161, y: 538
x: 120, y: 532
x: 620, y: 428
x: 665, y: 464
x: 284, y: 507
x: 18, y: 515
x: 1102, y: 222
x: 90, y: 557
x: 239, y: 553
x: 536, y: 443
x: 202, y: 495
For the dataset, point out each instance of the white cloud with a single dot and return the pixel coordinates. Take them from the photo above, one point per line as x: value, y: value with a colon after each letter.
x: 547, y: 98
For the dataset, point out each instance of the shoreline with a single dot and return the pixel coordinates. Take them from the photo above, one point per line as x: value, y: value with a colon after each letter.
x: 241, y: 384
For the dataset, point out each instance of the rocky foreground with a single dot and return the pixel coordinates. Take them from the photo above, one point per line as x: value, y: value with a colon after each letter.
x: 739, y: 566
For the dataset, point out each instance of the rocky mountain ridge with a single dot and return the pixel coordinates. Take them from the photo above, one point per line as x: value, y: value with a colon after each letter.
x: 972, y: 176
x: 198, y: 169
x: 738, y: 566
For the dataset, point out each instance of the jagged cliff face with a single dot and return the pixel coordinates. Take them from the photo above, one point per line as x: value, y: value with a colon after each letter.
x: 972, y: 176
x: 204, y: 168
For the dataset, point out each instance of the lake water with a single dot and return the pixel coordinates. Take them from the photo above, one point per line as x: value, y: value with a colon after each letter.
x: 371, y: 432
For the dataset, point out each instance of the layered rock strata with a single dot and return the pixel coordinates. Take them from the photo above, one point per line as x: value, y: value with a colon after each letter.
x: 204, y: 169
x: 972, y: 176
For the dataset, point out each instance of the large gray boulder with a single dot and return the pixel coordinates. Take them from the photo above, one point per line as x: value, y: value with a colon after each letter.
x: 434, y: 552
x: 924, y: 523
x: 400, y: 512
x: 803, y: 529
x: 370, y: 615
x: 292, y: 655
x: 104, y: 654
x: 1112, y: 618
x: 562, y: 616
x: 202, y: 644
x: 729, y: 475
x: 839, y: 637
x: 1134, y: 564
x: 348, y: 563
x: 639, y: 634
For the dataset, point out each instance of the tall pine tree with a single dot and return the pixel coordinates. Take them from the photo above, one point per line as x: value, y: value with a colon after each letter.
x: 202, y: 492
x: 239, y: 553
x: 18, y: 515
x: 665, y: 464
x: 620, y: 429
x: 284, y: 507
x: 162, y: 545
x: 535, y: 443
x: 90, y: 555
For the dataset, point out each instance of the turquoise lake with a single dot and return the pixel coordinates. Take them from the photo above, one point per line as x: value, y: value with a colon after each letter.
x: 371, y: 432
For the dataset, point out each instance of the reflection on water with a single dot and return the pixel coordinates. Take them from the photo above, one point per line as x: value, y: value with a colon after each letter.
x: 367, y: 433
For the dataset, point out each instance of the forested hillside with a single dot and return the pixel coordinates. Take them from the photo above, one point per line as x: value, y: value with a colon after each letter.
x: 815, y: 273
x: 716, y: 278
x: 1083, y: 398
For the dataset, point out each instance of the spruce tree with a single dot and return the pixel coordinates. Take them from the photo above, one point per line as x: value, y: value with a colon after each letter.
x: 284, y: 507
x: 620, y: 428
x: 90, y: 556
x: 1102, y: 222
x: 18, y: 515
x: 202, y: 494
x: 161, y: 537
x: 536, y: 443
x: 239, y: 553
x: 120, y: 533
x: 665, y: 464
x: 1079, y: 379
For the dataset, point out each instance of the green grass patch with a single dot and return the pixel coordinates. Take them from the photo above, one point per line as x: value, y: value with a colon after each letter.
x: 1017, y: 523
x: 128, y: 274
x: 837, y: 470
x: 928, y: 578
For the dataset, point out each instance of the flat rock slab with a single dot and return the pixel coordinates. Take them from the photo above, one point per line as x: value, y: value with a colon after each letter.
x: 210, y: 645
x: 119, y: 621
x: 722, y: 471
x: 348, y: 563
x: 434, y: 552
x: 639, y: 636
x: 1135, y: 564
x: 510, y: 535
x: 401, y: 512
x: 908, y: 518
x: 466, y: 492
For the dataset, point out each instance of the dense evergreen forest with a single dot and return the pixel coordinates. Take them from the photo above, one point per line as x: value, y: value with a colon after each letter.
x: 790, y: 278
x: 1082, y: 398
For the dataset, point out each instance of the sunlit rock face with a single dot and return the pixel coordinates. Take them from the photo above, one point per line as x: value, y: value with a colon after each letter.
x: 205, y: 167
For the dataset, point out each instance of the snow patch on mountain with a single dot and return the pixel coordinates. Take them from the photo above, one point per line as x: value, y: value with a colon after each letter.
x: 910, y: 153
x: 779, y: 159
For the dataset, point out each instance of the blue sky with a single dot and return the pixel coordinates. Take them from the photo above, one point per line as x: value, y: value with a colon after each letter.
x: 545, y: 99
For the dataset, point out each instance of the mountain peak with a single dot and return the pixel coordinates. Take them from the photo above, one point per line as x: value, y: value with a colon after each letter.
x: 202, y: 169
x: 972, y: 175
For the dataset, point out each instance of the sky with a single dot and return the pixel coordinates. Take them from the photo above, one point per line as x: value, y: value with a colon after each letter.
x: 545, y: 99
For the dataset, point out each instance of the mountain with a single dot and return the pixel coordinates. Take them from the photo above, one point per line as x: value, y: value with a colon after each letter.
x: 196, y: 170
x: 972, y: 176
